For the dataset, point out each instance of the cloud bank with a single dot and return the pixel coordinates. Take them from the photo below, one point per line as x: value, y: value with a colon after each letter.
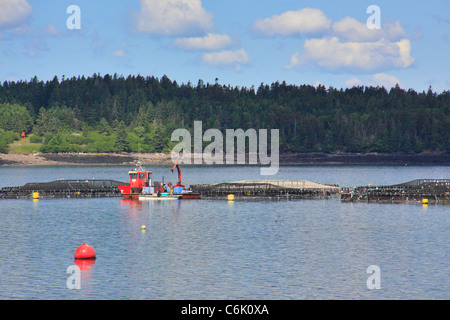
x: 333, y: 54
x: 346, y: 45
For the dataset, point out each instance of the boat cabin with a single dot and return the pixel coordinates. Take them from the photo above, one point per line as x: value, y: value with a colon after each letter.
x: 140, y: 179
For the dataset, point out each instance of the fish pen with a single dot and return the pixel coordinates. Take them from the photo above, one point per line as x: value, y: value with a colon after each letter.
x: 90, y: 188
x: 266, y: 189
x: 426, y: 190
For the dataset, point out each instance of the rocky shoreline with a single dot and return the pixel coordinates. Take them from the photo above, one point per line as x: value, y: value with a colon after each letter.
x: 70, y: 159
x: 49, y: 159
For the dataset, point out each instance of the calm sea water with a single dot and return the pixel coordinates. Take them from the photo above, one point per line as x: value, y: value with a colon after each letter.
x: 215, y: 249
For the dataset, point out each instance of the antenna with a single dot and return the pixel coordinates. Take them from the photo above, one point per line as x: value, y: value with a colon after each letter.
x: 139, y: 148
x: 138, y: 164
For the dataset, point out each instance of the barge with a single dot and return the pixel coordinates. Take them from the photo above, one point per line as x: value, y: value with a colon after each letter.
x: 267, y: 189
x: 419, y: 190
x: 83, y: 188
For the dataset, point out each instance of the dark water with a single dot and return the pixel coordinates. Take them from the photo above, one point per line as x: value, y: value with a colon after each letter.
x: 211, y: 249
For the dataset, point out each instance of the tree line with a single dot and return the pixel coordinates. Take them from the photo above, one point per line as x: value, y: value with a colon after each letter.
x: 136, y: 113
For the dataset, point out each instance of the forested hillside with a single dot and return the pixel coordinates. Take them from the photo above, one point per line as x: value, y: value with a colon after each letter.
x: 121, y: 114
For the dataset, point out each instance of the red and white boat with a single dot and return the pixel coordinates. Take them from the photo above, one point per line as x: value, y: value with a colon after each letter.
x: 142, y: 187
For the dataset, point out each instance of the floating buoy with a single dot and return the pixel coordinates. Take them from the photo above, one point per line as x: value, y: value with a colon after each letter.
x: 425, y: 201
x: 231, y: 197
x: 85, y: 251
x: 143, y: 227
x: 35, y: 195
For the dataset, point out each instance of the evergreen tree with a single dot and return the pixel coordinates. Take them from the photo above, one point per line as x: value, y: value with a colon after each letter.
x: 14, y: 117
x: 121, y: 144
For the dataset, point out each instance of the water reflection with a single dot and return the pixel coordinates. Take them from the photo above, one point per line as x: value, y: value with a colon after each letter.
x: 87, y: 281
x: 86, y: 266
x: 130, y: 203
x: 35, y: 205
x: 135, y: 206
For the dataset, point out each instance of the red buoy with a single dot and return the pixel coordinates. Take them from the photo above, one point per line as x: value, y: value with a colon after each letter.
x: 85, y: 251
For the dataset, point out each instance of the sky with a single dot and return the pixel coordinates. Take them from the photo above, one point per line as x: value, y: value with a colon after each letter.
x: 242, y: 43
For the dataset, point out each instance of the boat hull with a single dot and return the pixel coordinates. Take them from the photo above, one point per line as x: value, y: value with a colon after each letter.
x: 189, y: 195
x: 131, y: 196
x: 128, y: 194
x: 154, y: 197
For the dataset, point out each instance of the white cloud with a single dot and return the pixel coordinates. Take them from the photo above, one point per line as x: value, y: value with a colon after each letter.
x: 378, y: 79
x: 173, y: 17
x: 122, y: 51
x: 384, y: 80
x: 226, y: 58
x: 35, y: 46
x: 50, y: 29
x: 304, y: 21
x: 13, y: 13
x: 119, y: 53
x: 332, y: 54
x: 211, y: 41
x: 352, y: 82
x: 394, y: 31
x: 351, y: 29
x: 318, y: 84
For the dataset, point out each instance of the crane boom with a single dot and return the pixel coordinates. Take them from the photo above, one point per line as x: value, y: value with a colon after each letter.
x: 179, y: 174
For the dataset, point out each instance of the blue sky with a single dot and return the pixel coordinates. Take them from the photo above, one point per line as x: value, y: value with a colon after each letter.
x: 242, y: 43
